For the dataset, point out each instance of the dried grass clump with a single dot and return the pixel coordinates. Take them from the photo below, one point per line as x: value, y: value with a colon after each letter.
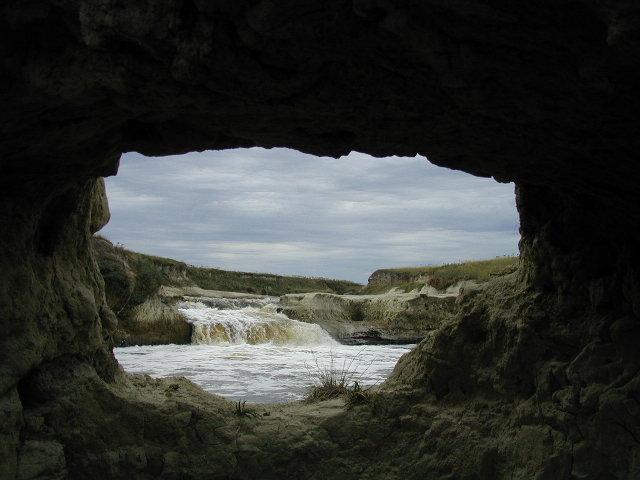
x: 333, y: 381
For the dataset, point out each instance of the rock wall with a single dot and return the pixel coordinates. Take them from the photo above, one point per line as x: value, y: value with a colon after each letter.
x: 132, y: 288
x: 555, y: 348
x: 52, y: 302
x: 153, y: 322
x: 389, y: 318
x: 538, y: 379
x: 143, y: 290
x: 448, y: 277
x: 387, y: 279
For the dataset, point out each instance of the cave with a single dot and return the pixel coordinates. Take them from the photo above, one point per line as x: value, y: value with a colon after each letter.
x: 538, y: 377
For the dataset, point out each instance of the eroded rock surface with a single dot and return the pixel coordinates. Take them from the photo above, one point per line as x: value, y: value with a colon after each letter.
x: 536, y: 378
x: 143, y: 315
x: 394, y: 317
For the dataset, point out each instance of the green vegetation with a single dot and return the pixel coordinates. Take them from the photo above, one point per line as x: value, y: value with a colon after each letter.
x: 440, y: 277
x: 132, y: 277
x: 332, y: 381
x: 356, y: 395
x: 241, y: 410
x: 129, y: 279
x: 327, y: 391
x: 334, y: 387
x: 151, y: 272
x: 132, y: 281
x: 266, y: 283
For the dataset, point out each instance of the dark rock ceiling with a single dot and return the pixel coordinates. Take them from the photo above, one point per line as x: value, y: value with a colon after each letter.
x: 537, y: 92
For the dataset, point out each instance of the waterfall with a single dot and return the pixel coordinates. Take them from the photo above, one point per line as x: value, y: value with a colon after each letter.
x: 249, y: 325
x: 244, y: 349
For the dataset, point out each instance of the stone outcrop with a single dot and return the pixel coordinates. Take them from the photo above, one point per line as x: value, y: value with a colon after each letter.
x: 171, y: 292
x: 385, y: 279
x: 535, y: 378
x: 133, y: 293
x: 394, y: 317
x: 153, y: 322
x: 448, y: 277
x: 143, y: 291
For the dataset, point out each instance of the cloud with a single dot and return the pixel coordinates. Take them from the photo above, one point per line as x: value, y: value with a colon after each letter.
x: 286, y: 212
x: 121, y: 198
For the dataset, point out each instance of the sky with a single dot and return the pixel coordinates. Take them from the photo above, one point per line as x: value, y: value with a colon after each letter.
x: 285, y: 212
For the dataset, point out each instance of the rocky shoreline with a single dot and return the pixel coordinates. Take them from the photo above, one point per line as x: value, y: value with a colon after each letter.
x: 396, y: 306
x: 393, y: 317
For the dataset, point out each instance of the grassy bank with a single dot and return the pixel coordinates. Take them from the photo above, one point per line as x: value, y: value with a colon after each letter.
x: 132, y: 281
x: 121, y: 268
x: 440, y: 277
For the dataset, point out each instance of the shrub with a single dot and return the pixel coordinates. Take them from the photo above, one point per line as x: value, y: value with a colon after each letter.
x: 148, y: 280
x: 117, y: 283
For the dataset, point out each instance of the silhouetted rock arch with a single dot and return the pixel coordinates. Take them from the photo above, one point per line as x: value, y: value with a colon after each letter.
x: 540, y: 93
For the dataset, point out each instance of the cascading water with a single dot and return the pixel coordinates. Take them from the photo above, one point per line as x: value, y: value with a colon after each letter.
x: 244, y: 349
x: 251, y: 324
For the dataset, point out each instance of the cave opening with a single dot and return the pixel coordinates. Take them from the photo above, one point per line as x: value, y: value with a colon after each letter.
x: 538, y: 376
x: 251, y: 271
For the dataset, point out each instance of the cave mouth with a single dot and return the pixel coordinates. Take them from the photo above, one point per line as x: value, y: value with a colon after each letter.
x: 537, y: 381
x: 295, y: 216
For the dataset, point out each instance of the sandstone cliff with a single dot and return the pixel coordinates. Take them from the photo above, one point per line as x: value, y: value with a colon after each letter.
x: 394, y: 317
x: 439, y: 277
x: 132, y: 292
x: 142, y: 290
x: 415, y: 301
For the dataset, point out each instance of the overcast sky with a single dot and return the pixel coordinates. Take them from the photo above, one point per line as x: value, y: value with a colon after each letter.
x: 285, y: 212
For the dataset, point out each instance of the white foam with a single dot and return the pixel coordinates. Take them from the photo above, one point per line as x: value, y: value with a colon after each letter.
x: 256, y: 354
x: 250, y: 325
x: 260, y: 373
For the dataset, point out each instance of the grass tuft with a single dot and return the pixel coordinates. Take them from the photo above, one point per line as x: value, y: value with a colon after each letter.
x: 241, y: 410
x: 335, y: 381
x: 356, y: 395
